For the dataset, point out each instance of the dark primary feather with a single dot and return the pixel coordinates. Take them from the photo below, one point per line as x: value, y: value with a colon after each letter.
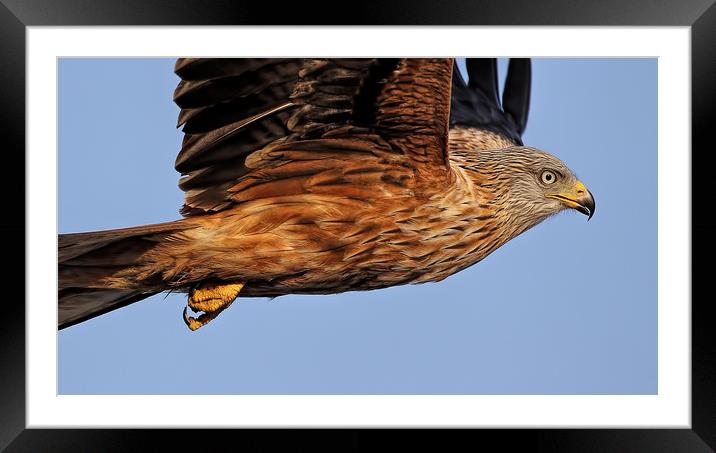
x: 482, y: 75
x: 516, y: 98
x: 230, y: 108
x: 338, y: 92
x: 477, y: 103
x: 404, y: 101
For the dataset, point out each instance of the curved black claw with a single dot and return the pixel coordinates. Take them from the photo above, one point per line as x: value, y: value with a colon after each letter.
x: 193, y: 323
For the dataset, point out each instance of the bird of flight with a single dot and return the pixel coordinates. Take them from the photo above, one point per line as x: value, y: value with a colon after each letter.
x: 319, y: 176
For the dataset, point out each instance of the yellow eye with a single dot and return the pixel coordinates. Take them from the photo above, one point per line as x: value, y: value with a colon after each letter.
x: 548, y: 177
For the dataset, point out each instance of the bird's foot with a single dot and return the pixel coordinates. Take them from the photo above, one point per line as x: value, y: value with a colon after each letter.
x: 211, y: 299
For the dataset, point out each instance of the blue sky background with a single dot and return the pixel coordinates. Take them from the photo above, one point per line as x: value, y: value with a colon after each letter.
x: 569, y: 307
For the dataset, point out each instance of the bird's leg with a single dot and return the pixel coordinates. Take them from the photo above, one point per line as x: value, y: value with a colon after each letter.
x: 212, y: 299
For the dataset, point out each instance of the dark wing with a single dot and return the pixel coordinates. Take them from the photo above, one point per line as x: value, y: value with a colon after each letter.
x: 232, y: 108
x: 476, y: 104
x: 406, y: 102
x: 229, y: 108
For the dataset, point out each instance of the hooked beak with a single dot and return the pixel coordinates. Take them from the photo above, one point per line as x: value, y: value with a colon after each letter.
x: 578, y: 198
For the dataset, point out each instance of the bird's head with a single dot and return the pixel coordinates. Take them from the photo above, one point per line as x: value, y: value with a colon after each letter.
x: 530, y: 185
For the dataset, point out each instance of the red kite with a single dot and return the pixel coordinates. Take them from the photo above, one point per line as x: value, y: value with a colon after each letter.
x: 318, y: 176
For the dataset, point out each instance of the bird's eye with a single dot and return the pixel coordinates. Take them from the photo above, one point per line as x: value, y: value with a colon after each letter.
x: 548, y: 177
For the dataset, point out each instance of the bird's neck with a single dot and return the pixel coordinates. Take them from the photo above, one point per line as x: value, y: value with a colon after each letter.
x: 478, y: 211
x: 483, y: 179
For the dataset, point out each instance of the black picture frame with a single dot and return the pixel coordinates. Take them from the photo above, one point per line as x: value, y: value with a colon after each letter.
x: 16, y: 15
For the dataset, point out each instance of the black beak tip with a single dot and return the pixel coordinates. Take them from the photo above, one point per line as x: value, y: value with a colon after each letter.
x: 587, y: 206
x: 585, y: 209
x: 591, y: 206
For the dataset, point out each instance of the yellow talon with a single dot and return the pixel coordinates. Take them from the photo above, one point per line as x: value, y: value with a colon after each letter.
x: 212, y: 300
x: 210, y: 297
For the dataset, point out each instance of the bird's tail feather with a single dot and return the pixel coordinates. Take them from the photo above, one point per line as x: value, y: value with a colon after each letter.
x: 87, y: 260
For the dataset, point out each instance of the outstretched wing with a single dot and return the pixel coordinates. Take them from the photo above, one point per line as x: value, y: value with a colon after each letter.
x: 476, y: 104
x: 233, y: 108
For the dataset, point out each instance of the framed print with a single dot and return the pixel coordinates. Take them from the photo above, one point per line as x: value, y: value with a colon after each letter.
x: 589, y: 334
x: 588, y: 342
